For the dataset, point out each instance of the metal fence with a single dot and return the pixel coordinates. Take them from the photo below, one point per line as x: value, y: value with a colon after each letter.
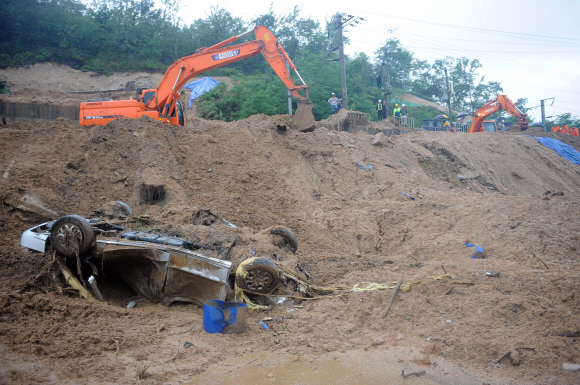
x: 461, y: 127
x: 404, y: 122
x: 458, y: 128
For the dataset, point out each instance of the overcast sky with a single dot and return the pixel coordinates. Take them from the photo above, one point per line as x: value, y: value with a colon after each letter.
x: 531, y: 47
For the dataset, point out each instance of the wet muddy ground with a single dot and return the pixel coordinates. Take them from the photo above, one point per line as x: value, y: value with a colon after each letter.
x: 518, y: 200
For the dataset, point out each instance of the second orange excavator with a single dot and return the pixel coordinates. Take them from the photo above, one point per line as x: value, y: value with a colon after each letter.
x: 501, y: 103
x: 163, y: 102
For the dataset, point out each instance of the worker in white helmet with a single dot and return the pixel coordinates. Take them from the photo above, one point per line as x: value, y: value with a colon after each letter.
x: 334, y: 103
x: 380, y: 110
x: 403, y: 111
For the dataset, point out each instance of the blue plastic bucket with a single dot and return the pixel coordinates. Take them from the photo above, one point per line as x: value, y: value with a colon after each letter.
x: 224, y: 317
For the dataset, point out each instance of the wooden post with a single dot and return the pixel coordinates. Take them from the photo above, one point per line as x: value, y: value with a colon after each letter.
x: 341, y: 60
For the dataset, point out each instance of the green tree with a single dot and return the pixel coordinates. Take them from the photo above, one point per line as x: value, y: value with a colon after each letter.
x: 398, y: 61
x: 363, y: 93
x: 483, y: 93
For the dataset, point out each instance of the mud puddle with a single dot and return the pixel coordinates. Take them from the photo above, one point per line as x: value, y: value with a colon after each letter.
x: 333, y: 369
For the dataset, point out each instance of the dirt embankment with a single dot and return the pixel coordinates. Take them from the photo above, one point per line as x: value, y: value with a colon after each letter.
x: 418, y: 100
x: 50, y: 83
x: 505, y: 192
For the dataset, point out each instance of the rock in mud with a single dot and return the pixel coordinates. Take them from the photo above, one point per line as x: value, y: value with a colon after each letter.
x: 515, y: 358
x: 570, y: 367
x: 379, y: 140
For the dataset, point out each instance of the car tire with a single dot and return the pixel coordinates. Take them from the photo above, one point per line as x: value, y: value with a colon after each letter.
x: 123, y: 209
x: 69, y: 232
x: 259, y: 275
x: 289, y: 236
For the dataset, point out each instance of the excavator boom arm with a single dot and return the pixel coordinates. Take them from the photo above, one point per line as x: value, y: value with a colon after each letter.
x: 162, y: 102
x: 205, y: 59
x: 501, y: 103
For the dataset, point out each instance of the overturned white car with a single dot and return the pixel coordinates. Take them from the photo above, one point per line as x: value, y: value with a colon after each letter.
x: 162, y: 268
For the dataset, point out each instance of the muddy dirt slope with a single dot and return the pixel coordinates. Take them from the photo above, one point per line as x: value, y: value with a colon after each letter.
x: 505, y: 192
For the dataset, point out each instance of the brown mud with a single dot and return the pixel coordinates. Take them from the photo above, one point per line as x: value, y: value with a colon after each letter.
x: 505, y: 192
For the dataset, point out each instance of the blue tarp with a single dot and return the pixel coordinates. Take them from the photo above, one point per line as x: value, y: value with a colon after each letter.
x: 479, y: 254
x: 565, y: 151
x: 200, y: 87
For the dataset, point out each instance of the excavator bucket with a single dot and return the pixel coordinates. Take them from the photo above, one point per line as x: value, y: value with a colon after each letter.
x: 515, y: 127
x: 304, y: 119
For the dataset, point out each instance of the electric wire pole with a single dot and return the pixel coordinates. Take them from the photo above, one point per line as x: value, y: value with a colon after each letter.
x: 340, y: 24
x: 288, y: 94
x: 448, y: 98
x: 386, y: 78
x: 543, y: 115
x: 341, y: 60
x: 385, y: 88
x: 544, y: 111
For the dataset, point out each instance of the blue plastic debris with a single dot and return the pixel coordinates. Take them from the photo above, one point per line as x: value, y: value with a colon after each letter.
x: 264, y: 326
x: 224, y: 317
x: 407, y: 195
x: 478, y: 254
x: 364, y: 168
x: 565, y: 151
x: 371, y: 168
x: 200, y: 87
x: 131, y: 304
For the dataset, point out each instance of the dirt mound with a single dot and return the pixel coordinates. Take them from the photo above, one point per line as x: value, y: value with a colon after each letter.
x: 50, y: 83
x: 505, y: 192
x: 424, y: 102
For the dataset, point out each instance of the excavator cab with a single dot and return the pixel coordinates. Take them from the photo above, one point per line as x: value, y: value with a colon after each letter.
x: 489, y: 126
x: 180, y: 113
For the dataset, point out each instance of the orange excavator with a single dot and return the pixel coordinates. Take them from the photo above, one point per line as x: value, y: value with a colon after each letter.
x: 501, y: 103
x: 163, y: 102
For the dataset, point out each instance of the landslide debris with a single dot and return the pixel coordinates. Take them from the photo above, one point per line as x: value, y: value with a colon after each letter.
x: 353, y: 225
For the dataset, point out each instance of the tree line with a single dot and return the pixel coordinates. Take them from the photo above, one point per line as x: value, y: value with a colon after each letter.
x: 134, y: 35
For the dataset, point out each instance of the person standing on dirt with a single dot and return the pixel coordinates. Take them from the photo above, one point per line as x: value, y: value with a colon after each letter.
x: 380, y: 110
x: 397, y: 114
x: 384, y: 109
x: 397, y: 111
x: 334, y: 101
x: 564, y: 129
x: 555, y: 129
x: 574, y: 131
x: 404, y: 112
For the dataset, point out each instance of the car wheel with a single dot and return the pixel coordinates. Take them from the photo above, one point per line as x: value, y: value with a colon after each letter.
x: 289, y: 236
x: 259, y: 275
x: 71, y: 233
x: 122, y: 209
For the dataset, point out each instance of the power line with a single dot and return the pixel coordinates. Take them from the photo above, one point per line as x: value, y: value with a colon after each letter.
x: 492, y: 31
x: 518, y: 52
x: 504, y: 62
x: 566, y: 109
x: 520, y: 65
x: 544, y: 88
x: 496, y: 42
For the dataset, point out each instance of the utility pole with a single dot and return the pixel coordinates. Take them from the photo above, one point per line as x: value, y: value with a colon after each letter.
x: 543, y: 115
x: 387, y: 79
x: 341, y: 59
x: 385, y: 87
x: 544, y: 111
x: 448, y: 96
x: 288, y: 94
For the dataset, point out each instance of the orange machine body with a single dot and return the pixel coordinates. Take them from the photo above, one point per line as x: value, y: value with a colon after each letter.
x: 163, y: 103
x: 102, y: 112
x: 501, y: 103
